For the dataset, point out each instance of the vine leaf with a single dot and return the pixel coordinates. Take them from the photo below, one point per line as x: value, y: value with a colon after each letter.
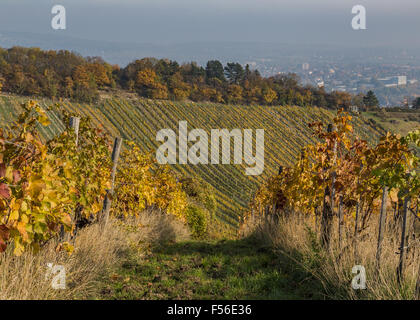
x: 5, y: 191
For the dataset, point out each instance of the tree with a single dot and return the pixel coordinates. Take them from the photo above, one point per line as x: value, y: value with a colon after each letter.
x: 370, y: 99
x: 416, y: 103
x: 252, y: 92
x: 149, y: 85
x: 343, y: 99
x: 130, y: 85
x: 192, y: 73
x: 166, y: 68
x: 234, y: 94
x: 82, y: 77
x: 269, y: 95
x: 357, y: 100
x: 68, y: 88
x: 213, y: 94
x: 179, y: 88
x: 85, y: 88
x: 160, y: 91
x: 214, y: 69
x: 234, y: 72
x: 17, y: 81
x: 247, y: 72
x: 146, y: 78
x: 99, y: 73
x: 308, y: 97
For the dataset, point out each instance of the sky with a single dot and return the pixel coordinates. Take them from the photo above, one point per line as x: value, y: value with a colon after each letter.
x: 389, y: 22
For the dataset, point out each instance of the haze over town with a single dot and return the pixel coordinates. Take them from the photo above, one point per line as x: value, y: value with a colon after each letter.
x: 313, y: 39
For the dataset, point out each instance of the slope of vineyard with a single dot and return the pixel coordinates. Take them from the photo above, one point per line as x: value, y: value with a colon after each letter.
x: 286, y: 132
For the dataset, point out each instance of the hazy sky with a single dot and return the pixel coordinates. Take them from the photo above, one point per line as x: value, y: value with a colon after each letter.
x: 389, y: 22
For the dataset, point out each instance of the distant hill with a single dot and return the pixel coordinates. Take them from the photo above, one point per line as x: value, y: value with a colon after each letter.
x: 122, y: 53
x: 133, y: 118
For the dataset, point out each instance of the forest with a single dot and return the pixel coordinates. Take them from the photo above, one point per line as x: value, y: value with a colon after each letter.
x: 65, y: 74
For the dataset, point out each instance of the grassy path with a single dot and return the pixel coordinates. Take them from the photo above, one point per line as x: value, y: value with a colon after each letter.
x: 208, y: 270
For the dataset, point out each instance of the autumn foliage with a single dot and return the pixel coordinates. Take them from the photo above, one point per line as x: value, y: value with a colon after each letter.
x: 355, y: 171
x: 47, y: 187
x: 63, y: 74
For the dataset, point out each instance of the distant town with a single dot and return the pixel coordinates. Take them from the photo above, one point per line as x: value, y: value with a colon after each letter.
x: 394, y: 85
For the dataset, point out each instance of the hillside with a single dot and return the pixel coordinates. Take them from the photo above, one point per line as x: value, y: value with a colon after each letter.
x: 398, y: 121
x: 286, y: 132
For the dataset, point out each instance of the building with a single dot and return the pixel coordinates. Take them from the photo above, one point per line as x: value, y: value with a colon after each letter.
x: 320, y: 83
x: 395, y: 81
x: 354, y: 109
x: 402, y: 80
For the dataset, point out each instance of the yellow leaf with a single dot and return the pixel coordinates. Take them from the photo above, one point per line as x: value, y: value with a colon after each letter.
x: 9, y: 174
x: 19, y: 248
x: 68, y: 248
x: 96, y: 207
x: 24, y: 206
x: 21, y: 227
x: 44, y: 120
x: 24, y: 218
x: 14, y: 215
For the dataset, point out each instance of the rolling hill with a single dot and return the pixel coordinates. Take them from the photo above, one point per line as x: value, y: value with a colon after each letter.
x: 138, y: 119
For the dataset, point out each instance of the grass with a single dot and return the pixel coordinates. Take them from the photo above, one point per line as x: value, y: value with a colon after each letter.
x: 97, y: 251
x: 396, y: 122
x: 149, y: 258
x: 209, y: 270
x: 24, y: 277
x: 152, y: 258
x: 297, y: 239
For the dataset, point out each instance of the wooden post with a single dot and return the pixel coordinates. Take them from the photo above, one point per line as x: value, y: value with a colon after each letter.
x: 252, y: 208
x: 332, y: 196
x: 334, y: 174
x: 316, y: 220
x: 356, y: 222
x: 400, y: 269
x: 382, y: 221
x: 340, y: 222
x: 328, y: 209
x: 74, y: 124
x: 107, y: 201
x: 417, y: 293
x: 416, y: 214
x: 276, y: 214
x: 356, y: 230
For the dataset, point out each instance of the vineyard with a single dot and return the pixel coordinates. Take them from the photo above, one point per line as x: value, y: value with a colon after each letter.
x: 139, y: 120
x: 348, y: 188
x: 362, y: 192
x: 54, y: 188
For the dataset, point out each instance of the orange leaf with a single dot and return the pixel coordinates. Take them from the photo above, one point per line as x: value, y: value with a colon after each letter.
x: 16, y: 176
x: 4, y: 236
x: 5, y: 191
x: 2, y: 170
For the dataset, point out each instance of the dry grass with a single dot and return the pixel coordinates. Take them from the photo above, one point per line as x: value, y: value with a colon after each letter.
x: 298, y: 238
x: 96, y: 251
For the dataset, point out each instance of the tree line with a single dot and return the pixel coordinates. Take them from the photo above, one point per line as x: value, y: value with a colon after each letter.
x: 53, y: 74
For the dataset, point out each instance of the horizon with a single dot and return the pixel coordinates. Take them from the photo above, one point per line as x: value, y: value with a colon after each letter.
x: 312, y: 40
x: 127, y: 21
